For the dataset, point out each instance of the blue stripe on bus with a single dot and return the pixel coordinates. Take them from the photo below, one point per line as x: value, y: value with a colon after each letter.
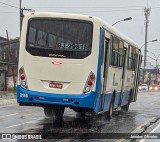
x: 117, y: 100
x: 125, y: 98
x: 98, y: 79
x: 107, y: 101
x: 121, y: 98
x: 67, y: 100
x: 81, y: 100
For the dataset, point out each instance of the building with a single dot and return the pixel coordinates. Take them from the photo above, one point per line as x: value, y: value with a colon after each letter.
x: 152, y: 76
x: 2, y: 39
x: 8, y: 63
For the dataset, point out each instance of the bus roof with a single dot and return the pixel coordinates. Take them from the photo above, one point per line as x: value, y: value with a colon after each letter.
x: 119, y: 34
x: 115, y: 32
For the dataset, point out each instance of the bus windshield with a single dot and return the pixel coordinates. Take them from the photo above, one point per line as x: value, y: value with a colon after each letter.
x: 59, y: 38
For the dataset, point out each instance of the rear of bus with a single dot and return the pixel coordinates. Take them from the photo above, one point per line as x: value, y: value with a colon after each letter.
x: 58, y: 61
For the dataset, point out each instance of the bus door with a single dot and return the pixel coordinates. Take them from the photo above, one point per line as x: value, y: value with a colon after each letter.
x: 105, y: 70
x: 136, y: 79
x: 123, y: 69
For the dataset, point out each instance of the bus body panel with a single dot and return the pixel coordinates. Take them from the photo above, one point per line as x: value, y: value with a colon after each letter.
x: 41, y: 73
x: 129, y: 80
x: 114, y: 80
x: 42, y: 99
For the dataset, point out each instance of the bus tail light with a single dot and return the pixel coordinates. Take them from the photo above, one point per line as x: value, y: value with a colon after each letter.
x: 89, y: 83
x: 22, y: 78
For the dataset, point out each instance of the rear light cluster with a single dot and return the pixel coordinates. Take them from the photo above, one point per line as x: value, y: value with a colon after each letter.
x: 22, y: 78
x: 154, y: 88
x: 89, y: 83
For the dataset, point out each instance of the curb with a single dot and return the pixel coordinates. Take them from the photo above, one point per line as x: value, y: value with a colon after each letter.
x: 141, y: 129
x: 6, y: 95
x: 7, y: 101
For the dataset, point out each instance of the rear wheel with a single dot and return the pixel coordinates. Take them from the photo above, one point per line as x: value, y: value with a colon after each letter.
x: 57, y: 111
x: 49, y: 111
x: 110, y: 112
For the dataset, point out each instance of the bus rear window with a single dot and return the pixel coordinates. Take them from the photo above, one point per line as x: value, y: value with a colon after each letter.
x: 59, y: 38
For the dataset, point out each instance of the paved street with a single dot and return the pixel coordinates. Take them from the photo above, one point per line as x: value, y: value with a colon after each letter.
x: 142, y: 116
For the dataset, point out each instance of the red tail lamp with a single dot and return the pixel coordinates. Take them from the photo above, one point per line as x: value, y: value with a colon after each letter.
x: 22, y: 77
x: 89, y: 83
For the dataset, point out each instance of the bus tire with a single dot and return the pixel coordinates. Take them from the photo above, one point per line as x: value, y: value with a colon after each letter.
x: 59, y: 111
x: 49, y: 111
x: 111, y: 107
x: 56, y: 112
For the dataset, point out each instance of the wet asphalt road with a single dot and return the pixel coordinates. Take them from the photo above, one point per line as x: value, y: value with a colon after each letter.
x: 16, y: 119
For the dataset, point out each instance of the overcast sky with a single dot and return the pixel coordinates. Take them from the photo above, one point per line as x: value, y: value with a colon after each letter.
x: 109, y: 10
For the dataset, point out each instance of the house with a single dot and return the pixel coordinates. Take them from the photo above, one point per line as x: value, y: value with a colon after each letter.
x: 8, y: 63
x: 2, y: 39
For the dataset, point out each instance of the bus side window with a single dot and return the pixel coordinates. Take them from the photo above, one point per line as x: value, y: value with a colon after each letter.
x: 111, y: 52
x: 135, y: 58
x: 114, y: 51
x: 132, y: 58
x: 121, y: 53
x: 103, y: 48
x: 117, y: 52
x: 129, y: 57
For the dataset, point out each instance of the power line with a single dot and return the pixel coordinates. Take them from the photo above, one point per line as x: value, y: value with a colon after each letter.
x: 106, y: 10
x: 82, y: 7
x: 155, y: 49
x: 11, y: 2
x: 109, y: 11
x: 9, y: 5
x: 155, y: 7
x: 79, y: 12
x: 92, y: 7
x: 9, y: 12
x: 92, y: 11
x: 116, y: 10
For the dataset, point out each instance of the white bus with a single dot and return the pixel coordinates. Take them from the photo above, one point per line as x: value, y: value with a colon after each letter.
x: 76, y: 61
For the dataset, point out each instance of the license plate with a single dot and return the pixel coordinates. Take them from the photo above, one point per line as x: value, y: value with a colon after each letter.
x: 55, y: 85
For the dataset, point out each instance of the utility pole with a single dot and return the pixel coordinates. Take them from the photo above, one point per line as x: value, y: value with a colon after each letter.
x: 8, y: 57
x: 8, y: 49
x: 9, y: 60
x: 20, y: 14
x: 146, y: 14
x: 156, y: 70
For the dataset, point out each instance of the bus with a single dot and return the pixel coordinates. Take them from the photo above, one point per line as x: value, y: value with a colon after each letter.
x: 76, y: 61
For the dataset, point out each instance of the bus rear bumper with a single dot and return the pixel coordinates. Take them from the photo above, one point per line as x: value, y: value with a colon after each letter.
x: 26, y: 97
